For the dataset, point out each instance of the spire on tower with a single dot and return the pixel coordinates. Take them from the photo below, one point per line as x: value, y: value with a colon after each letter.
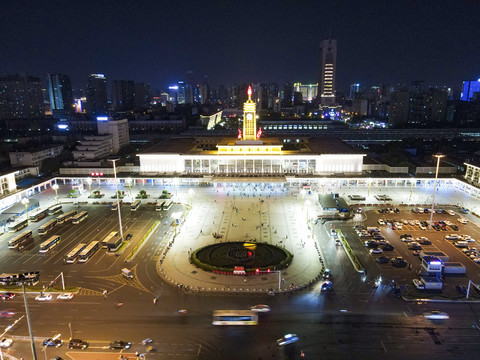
x: 249, y: 92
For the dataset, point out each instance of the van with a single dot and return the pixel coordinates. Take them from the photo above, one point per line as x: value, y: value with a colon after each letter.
x: 461, y: 244
x: 127, y: 273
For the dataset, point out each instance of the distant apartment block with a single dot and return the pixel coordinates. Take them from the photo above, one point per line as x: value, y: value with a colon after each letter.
x: 93, y: 148
x: 117, y: 128
x: 34, y: 158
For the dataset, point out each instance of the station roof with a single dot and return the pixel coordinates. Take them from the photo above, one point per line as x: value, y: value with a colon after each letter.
x: 189, y: 145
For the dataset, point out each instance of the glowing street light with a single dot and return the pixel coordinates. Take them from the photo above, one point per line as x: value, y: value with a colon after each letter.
x: 25, y: 202
x: 55, y: 187
x: 118, y: 199
x: 438, y: 156
x: 190, y: 192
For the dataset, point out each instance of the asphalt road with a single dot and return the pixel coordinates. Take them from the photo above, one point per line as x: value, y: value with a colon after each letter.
x: 353, y: 321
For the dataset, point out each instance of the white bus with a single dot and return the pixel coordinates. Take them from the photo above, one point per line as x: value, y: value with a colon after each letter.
x: 112, y: 241
x: 89, y: 251
x: 135, y: 205
x: 234, y: 317
x: 167, y: 205
x: 50, y: 243
x: 66, y: 217
x: 18, y: 226
x: 20, y: 240
x: 79, y: 217
x: 54, y: 209
x: 159, y: 205
x: 45, y: 228
x: 73, y: 254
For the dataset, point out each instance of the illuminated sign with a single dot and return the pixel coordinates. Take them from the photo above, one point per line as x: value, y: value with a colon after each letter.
x: 63, y: 126
x: 102, y: 118
x: 173, y: 87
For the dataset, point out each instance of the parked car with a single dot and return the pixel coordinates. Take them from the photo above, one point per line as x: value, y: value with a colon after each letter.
x: 260, y: 308
x: 418, y: 284
x: 6, y: 342
x: 388, y: 247
x: 383, y: 260
x: 376, y: 251
x: 327, y: 285
x: 287, y: 339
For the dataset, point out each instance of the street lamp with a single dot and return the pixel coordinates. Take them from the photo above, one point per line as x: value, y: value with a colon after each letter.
x: 438, y: 156
x: 89, y: 182
x: 118, y: 199
x: 190, y: 192
x: 55, y: 187
x: 25, y: 202
x: 303, y: 196
x: 129, y: 183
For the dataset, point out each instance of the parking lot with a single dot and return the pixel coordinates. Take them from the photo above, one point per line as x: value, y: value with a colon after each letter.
x: 409, y: 234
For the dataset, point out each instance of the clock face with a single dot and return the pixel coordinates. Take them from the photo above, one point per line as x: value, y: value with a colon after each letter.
x: 249, y: 116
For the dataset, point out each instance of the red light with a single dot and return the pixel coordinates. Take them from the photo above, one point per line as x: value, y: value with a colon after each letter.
x: 257, y: 271
x: 92, y: 174
x: 249, y: 91
x: 268, y: 271
x: 101, y: 174
x: 96, y: 174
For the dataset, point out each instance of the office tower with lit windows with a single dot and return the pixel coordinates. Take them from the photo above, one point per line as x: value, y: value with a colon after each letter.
x: 143, y: 96
x: 328, y: 64
x: 60, y: 94
x: 21, y: 97
x: 354, y: 88
x: 97, y: 94
x: 309, y: 91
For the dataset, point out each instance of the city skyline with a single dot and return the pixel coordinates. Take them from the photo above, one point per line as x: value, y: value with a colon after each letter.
x: 248, y: 42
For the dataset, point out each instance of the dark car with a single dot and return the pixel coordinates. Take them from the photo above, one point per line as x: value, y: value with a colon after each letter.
x: 52, y: 342
x: 77, y: 344
x: 461, y: 289
x: 327, y: 274
x: 7, y: 296
x: 424, y: 241
x: 414, y: 246
x: 327, y: 285
x: 388, y: 247
x: 454, y: 227
x: 128, y: 237
x: 399, y: 262
x: 120, y: 345
x: 405, y: 236
x: 383, y: 259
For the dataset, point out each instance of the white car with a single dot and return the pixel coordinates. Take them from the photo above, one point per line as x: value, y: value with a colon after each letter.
x: 376, y: 251
x: 436, y: 315
x: 6, y: 342
x: 43, y: 297
x: 463, y: 221
x: 260, y: 308
x: 65, y: 296
x: 451, y: 212
x: 381, y: 222
x: 287, y: 339
x: 418, y: 284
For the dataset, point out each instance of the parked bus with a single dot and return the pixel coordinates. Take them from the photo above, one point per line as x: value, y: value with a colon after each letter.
x: 39, y: 216
x: 159, y: 205
x: 114, y: 206
x: 89, y: 251
x: 73, y: 254
x: 234, y: 317
x: 52, y: 210
x: 18, y: 226
x: 135, y: 205
x: 112, y: 241
x: 77, y: 219
x: 66, y: 217
x: 20, y: 240
x: 45, y: 228
x: 50, y: 243
x: 167, y: 205
x: 29, y: 279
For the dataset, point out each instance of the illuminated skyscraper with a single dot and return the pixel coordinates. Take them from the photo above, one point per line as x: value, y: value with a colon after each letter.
x: 471, y: 90
x: 60, y: 93
x: 21, y: 97
x: 97, y: 94
x: 328, y: 64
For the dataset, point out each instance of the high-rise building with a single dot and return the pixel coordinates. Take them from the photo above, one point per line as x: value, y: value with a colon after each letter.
x: 309, y: 91
x: 21, y: 97
x: 181, y: 94
x: 117, y: 128
x: 60, y: 93
x: 328, y: 64
x: 354, y: 88
x: 287, y: 95
x: 143, y: 96
x: 123, y: 92
x: 97, y: 102
x: 471, y: 90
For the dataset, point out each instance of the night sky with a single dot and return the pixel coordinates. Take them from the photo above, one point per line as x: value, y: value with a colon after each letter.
x: 386, y: 41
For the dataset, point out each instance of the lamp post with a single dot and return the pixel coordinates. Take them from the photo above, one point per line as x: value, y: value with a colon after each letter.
x: 55, y: 187
x: 190, y: 192
x: 438, y: 156
x: 129, y: 183
x: 303, y: 196
x: 118, y: 200
x: 89, y: 182
x: 25, y: 202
